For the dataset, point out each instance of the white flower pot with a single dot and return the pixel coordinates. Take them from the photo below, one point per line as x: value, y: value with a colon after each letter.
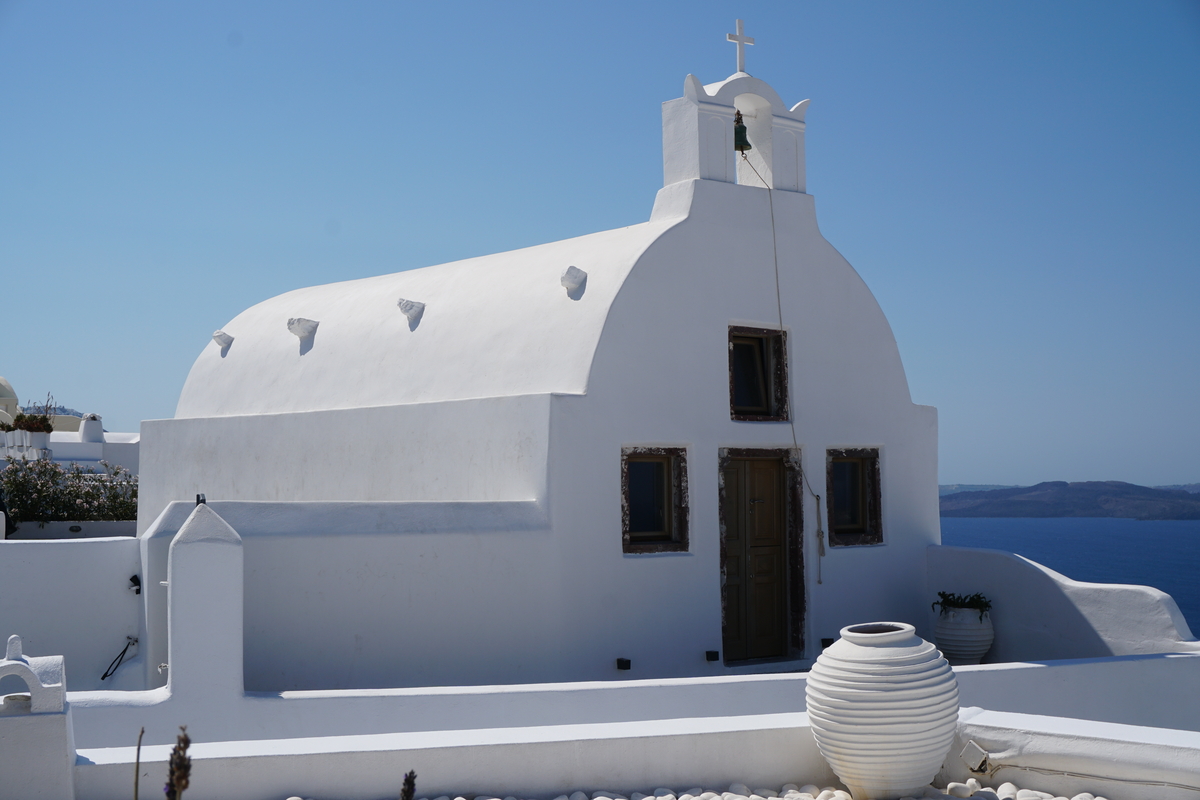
x: 883, y: 705
x: 962, y: 636
x: 38, y: 440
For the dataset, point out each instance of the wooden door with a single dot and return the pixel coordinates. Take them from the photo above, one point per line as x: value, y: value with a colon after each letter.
x: 754, y: 511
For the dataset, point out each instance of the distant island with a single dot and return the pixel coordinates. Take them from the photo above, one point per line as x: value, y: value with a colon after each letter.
x: 1062, y: 499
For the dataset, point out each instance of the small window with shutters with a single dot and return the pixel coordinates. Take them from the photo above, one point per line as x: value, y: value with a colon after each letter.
x: 654, y: 513
x: 758, y: 375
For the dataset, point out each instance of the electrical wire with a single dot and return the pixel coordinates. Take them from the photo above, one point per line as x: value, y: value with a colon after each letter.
x: 130, y: 641
x: 791, y: 412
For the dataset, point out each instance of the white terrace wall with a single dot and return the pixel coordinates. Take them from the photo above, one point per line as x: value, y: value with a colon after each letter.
x: 71, y: 598
x: 1039, y: 614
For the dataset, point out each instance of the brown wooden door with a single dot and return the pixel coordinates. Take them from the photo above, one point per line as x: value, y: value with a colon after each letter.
x: 755, y: 589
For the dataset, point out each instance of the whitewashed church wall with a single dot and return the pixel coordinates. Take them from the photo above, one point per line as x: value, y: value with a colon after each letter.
x: 848, y: 390
x: 71, y: 598
x: 457, y: 604
x: 472, y: 450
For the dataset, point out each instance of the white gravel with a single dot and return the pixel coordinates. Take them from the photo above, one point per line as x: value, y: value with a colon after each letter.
x: 740, y: 791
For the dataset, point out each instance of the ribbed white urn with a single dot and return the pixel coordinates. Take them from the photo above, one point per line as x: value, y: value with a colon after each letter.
x: 883, y: 705
x: 964, y: 635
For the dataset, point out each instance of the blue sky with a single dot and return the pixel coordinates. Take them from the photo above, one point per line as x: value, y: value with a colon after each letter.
x: 1018, y: 183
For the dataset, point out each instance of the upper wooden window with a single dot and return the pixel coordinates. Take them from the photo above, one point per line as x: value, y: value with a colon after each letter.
x: 654, y: 513
x: 853, y: 497
x: 758, y: 377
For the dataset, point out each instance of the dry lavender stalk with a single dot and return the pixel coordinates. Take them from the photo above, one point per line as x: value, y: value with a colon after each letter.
x: 409, y: 789
x: 179, y: 768
x: 137, y: 763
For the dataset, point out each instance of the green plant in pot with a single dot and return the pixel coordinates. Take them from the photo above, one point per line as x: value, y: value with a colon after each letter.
x: 964, y: 628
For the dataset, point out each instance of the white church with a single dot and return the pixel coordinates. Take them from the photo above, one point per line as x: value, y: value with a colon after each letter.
x: 619, y: 489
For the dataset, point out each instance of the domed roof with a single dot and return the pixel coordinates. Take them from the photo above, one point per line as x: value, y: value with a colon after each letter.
x: 498, y: 325
x: 6, y: 390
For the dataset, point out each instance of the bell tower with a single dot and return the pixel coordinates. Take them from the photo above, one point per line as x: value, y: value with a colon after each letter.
x: 698, y: 132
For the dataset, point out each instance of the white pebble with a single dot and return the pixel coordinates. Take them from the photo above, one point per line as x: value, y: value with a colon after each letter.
x: 740, y: 788
x: 827, y: 794
x: 1084, y: 796
x: 790, y: 787
x: 664, y: 792
x: 841, y: 794
x: 810, y: 788
x: 578, y: 796
x: 709, y: 796
x: 766, y: 793
x: 1007, y: 791
x: 562, y: 797
x: 695, y: 791
x: 633, y: 796
x: 959, y: 790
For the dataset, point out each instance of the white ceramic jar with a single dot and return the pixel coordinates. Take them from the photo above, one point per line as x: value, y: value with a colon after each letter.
x: 883, y: 705
x: 964, y: 635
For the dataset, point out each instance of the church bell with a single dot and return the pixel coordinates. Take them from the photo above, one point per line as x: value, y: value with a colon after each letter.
x: 740, y: 142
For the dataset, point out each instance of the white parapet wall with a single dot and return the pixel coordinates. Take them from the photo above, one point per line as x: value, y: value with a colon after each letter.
x: 1040, y: 615
x: 1069, y: 756
x: 72, y: 598
x: 771, y: 750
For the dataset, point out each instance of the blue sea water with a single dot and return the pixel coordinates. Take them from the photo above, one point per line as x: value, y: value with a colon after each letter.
x: 1164, y: 554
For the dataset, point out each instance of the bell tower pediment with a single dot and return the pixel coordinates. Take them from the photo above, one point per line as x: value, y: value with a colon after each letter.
x: 698, y: 132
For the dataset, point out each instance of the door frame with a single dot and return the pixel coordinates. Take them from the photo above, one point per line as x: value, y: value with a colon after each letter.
x: 793, y: 537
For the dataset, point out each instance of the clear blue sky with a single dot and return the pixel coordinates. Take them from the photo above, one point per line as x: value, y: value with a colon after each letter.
x: 1018, y: 182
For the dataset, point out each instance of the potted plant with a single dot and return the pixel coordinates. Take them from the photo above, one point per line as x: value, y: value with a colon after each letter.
x: 964, y: 628
x: 38, y: 423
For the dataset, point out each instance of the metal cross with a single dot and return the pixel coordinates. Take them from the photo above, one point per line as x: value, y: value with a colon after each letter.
x: 741, y: 41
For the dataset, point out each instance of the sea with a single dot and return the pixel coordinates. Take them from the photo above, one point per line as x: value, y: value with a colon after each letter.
x: 1164, y: 554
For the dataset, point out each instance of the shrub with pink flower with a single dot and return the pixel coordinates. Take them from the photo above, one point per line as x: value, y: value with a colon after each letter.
x: 46, y: 491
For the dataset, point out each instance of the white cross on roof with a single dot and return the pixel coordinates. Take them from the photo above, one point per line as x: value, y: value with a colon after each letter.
x: 742, y: 41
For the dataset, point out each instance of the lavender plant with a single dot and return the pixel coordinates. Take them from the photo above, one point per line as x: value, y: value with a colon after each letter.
x: 179, y: 767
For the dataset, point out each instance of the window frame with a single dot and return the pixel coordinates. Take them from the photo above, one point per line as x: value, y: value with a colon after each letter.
x: 775, y: 373
x: 676, y: 540
x: 871, y: 531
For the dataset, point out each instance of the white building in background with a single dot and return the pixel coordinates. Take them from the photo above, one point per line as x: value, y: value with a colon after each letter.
x: 79, y: 440
x: 575, y: 515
